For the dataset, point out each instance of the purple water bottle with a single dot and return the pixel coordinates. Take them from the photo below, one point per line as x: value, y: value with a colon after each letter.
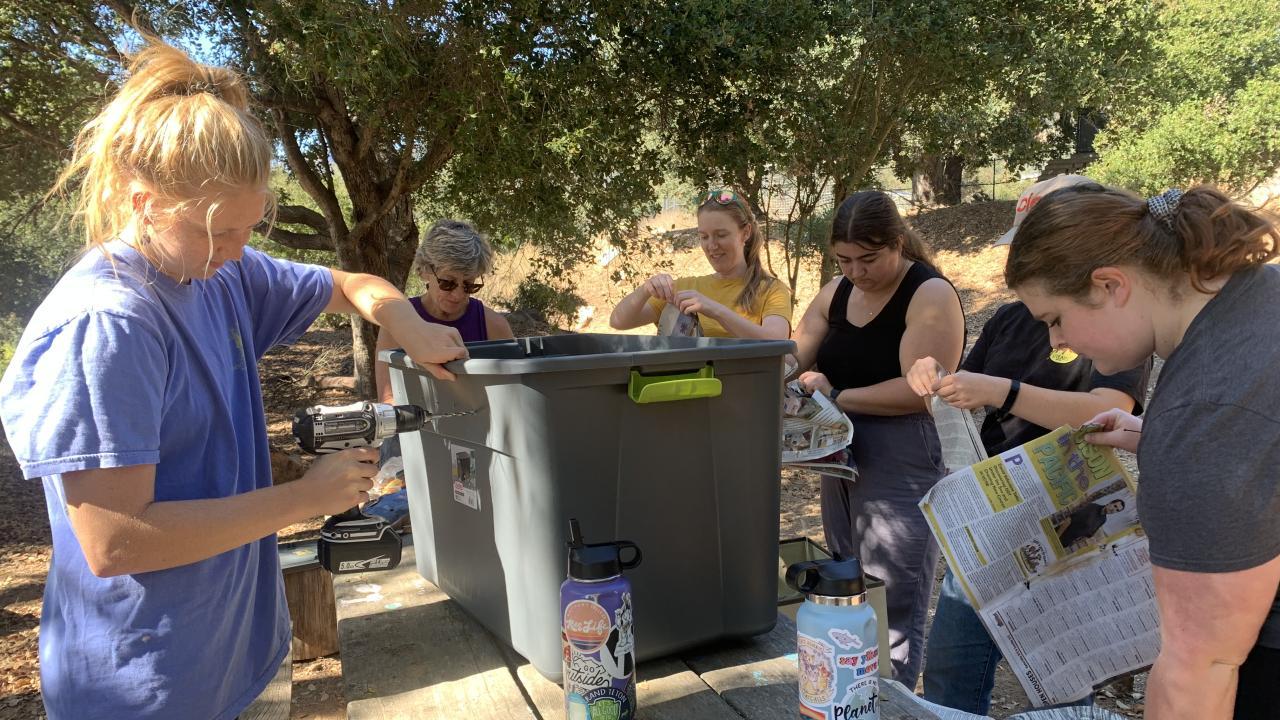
x: 596, y: 631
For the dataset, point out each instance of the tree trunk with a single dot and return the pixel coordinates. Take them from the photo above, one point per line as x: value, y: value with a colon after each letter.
x: 839, y: 191
x: 386, y: 250
x: 948, y: 180
x: 938, y: 180
x: 922, y: 192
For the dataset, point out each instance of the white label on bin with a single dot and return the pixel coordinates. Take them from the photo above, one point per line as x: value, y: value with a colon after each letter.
x: 466, y: 489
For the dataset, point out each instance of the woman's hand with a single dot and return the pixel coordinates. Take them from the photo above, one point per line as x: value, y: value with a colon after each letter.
x: 924, y: 375
x: 816, y: 382
x: 661, y: 287
x: 969, y: 391
x: 692, y: 302
x: 1117, y: 429
x: 430, y: 345
x: 341, y: 480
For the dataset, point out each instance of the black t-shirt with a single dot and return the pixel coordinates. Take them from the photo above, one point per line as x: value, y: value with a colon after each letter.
x: 1015, y: 345
x: 1086, y: 521
x: 854, y: 357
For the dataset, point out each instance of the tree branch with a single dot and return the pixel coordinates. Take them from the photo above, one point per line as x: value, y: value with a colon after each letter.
x: 31, y: 131
x: 296, y: 240
x: 302, y: 215
x: 307, y: 177
x: 80, y: 65
x: 133, y: 16
x: 409, y: 177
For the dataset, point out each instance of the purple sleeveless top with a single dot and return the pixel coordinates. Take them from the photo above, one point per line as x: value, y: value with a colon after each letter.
x: 470, y: 326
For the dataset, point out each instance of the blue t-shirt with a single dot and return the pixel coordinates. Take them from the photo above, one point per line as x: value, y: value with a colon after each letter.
x: 123, y: 366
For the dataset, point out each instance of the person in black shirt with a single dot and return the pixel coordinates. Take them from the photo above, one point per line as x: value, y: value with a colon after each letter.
x: 1085, y: 521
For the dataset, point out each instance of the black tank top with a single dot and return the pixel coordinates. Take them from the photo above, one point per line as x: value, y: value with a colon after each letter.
x: 853, y: 357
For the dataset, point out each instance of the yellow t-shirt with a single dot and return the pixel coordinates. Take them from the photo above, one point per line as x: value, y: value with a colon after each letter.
x: 773, y: 299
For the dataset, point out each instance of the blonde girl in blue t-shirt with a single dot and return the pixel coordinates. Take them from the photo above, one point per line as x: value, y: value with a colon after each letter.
x: 134, y: 394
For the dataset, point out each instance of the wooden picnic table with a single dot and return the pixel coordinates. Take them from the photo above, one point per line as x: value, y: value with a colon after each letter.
x: 408, y: 651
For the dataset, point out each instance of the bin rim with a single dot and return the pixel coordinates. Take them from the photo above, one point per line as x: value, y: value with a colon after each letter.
x: 707, y: 350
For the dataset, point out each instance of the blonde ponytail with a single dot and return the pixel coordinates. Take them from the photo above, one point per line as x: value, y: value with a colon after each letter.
x: 181, y: 128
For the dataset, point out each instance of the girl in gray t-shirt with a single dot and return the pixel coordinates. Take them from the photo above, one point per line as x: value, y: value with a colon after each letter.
x: 1117, y: 277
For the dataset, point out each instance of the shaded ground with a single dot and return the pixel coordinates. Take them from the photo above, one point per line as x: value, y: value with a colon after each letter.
x: 305, y: 374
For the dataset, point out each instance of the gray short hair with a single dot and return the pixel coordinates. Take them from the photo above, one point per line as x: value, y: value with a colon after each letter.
x: 454, y: 245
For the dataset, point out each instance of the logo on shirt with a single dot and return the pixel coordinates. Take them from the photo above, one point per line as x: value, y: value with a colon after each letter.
x: 1063, y: 356
x: 237, y: 342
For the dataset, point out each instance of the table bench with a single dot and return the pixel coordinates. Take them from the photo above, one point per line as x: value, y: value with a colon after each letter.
x: 408, y: 651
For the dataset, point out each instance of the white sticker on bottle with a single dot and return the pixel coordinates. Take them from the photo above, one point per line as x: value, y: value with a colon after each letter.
x: 466, y: 487
x: 817, y: 670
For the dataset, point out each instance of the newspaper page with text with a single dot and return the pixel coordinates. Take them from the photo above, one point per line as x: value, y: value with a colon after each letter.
x: 1045, y: 541
x: 816, y: 434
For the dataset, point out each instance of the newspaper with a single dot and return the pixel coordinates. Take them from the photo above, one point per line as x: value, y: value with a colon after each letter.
x: 816, y: 434
x: 1045, y: 541
x: 961, y: 443
x: 673, y: 323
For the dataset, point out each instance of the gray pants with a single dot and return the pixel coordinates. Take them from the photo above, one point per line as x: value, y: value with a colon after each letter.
x: 876, y: 519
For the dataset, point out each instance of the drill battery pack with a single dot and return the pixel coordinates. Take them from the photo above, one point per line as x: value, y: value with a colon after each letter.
x: 358, y: 544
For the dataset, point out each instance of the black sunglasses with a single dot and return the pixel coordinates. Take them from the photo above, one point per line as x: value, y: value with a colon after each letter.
x: 470, y: 288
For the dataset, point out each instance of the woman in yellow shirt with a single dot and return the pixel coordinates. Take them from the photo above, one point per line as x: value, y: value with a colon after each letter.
x: 740, y: 299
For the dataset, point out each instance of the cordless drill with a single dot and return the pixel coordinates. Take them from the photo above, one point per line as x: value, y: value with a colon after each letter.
x: 353, y: 541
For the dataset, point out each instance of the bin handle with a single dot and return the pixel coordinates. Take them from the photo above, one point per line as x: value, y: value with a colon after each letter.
x: 701, y: 383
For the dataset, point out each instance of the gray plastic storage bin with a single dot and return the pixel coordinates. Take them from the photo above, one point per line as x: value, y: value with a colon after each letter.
x: 672, y: 443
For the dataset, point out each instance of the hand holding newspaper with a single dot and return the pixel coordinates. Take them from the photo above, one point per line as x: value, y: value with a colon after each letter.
x: 1045, y: 541
x: 815, y: 433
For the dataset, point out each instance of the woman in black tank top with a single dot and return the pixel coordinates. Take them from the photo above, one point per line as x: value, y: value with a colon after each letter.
x: 861, y: 334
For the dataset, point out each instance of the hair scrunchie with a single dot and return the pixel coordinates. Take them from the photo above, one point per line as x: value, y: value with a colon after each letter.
x: 1163, y: 206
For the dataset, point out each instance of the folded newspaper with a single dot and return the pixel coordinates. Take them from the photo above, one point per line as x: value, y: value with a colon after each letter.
x: 816, y: 434
x: 1045, y: 541
x: 673, y: 323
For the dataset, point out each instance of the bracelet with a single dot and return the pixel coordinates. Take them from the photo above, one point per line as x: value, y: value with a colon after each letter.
x: 1014, y: 386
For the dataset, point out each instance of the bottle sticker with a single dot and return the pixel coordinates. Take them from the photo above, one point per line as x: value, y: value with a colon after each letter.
x: 618, y: 654
x: 606, y: 703
x: 845, y: 639
x: 806, y: 711
x: 861, y: 701
x: 866, y: 663
x: 586, y: 625
x: 817, y: 671
x: 584, y: 674
x: 466, y: 489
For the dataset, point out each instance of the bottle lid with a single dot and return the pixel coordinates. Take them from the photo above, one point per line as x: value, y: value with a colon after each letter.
x: 837, y: 577
x: 598, y: 561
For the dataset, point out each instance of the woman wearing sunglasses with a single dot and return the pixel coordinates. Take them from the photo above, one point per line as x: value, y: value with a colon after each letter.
x: 739, y: 299
x: 450, y: 260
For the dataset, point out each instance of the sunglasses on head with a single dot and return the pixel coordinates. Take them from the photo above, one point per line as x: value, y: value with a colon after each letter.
x: 721, y: 197
x: 469, y: 288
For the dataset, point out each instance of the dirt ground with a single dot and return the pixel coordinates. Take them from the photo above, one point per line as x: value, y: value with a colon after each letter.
x: 312, y: 371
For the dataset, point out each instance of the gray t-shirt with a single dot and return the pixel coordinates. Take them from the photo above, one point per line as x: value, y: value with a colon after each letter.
x: 1209, y: 458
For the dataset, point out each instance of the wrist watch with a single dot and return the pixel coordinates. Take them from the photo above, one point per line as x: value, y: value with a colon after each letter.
x: 1011, y: 398
x: 835, y: 395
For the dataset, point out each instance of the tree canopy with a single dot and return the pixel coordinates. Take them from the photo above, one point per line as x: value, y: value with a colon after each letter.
x: 1205, y: 111
x: 554, y: 122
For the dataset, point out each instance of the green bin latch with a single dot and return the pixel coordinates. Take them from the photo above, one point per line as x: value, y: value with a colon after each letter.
x: 667, y: 388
